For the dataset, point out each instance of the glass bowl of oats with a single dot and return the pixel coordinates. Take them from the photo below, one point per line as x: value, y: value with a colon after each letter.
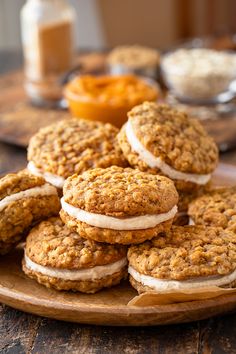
x: 199, y: 75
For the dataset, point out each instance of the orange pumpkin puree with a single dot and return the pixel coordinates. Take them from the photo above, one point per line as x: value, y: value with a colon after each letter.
x: 108, y: 98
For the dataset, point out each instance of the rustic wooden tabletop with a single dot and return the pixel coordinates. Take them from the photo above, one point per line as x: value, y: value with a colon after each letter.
x: 25, y: 333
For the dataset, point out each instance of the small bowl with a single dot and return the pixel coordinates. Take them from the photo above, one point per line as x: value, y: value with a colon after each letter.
x: 108, y: 111
x: 134, y: 59
x: 201, y: 85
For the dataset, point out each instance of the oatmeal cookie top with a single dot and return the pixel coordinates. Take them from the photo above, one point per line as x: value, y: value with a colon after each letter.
x: 52, y: 244
x: 216, y: 208
x: 186, y: 252
x: 120, y: 192
x: 178, y: 140
x: 17, y: 182
x: 74, y: 146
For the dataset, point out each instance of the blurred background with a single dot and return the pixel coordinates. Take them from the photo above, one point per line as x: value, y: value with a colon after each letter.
x: 101, y: 28
x: 156, y: 23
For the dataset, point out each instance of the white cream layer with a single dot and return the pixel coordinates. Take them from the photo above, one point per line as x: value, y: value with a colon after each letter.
x: 44, y: 190
x: 94, y: 273
x: 191, y: 222
x: 55, y: 180
x: 162, y: 285
x: 108, y: 222
x: 155, y: 162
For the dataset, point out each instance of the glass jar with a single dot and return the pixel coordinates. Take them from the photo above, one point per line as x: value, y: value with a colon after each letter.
x: 48, y: 46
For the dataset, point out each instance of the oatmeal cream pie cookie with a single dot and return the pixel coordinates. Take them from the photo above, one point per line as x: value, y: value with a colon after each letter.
x: 73, y: 146
x: 59, y: 258
x: 160, y: 139
x: 24, y: 200
x: 186, y: 257
x: 117, y: 205
x: 215, y: 208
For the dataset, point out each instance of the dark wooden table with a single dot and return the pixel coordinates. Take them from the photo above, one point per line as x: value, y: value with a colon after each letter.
x: 25, y: 333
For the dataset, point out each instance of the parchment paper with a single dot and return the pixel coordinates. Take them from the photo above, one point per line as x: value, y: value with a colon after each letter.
x: 153, y: 298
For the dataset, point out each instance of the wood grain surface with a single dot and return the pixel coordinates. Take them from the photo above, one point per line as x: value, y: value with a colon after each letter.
x: 24, y: 120
x: 21, y: 333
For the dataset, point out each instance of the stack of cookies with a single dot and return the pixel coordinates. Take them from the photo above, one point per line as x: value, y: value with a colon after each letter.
x: 104, y: 209
x: 121, y: 193
x: 25, y: 199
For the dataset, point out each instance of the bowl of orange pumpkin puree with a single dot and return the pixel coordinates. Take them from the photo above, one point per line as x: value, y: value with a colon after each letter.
x: 108, y: 98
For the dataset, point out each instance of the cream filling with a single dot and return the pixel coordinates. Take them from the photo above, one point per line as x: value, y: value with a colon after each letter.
x: 156, y: 162
x: 191, y: 222
x: 43, y: 190
x: 94, y: 273
x: 108, y: 222
x: 55, y: 180
x: 163, y: 285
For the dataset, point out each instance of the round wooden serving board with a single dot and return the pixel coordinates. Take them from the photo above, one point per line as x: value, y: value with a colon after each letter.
x: 107, y: 307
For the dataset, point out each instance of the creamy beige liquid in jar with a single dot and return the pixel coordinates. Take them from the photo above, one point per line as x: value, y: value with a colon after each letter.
x: 48, y: 46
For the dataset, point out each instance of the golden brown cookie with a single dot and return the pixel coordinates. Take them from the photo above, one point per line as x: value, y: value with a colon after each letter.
x: 186, y: 257
x: 117, y: 205
x: 160, y: 139
x: 59, y: 258
x: 24, y: 200
x: 215, y: 208
x: 73, y: 146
